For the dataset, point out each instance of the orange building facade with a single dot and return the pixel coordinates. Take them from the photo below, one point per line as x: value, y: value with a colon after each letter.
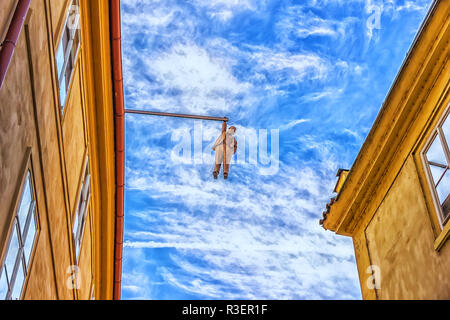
x: 58, y: 173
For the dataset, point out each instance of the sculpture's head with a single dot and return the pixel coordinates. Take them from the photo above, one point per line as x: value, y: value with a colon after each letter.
x: 232, y: 130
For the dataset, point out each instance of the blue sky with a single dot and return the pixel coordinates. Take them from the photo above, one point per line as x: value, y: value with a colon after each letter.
x: 317, y: 71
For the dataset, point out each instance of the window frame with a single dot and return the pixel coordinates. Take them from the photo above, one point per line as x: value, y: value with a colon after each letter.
x: 80, y: 219
x: 93, y: 291
x: 21, y: 263
x: 437, y: 133
x: 69, y: 55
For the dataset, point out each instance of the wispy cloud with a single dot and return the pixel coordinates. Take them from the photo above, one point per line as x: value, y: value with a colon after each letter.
x: 300, y: 21
x: 293, y: 124
x: 413, y: 6
x: 226, y: 9
x: 328, y: 93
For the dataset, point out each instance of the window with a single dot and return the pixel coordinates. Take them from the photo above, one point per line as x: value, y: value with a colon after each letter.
x: 67, y: 52
x: 437, y: 158
x: 93, y: 292
x: 20, y: 245
x: 82, y: 208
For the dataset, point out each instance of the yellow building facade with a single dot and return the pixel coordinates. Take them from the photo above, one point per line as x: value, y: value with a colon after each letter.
x: 57, y: 153
x: 394, y: 202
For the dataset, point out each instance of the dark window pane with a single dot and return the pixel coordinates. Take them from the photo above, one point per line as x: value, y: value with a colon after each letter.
x: 18, y: 284
x: 65, y: 39
x: 13, y: 251
x: 436, y: 152
x: 25, y: 203
x: 75, y: 231
x: 80, y: 228
x: 63, y: 91
x: 75, y: 224
x: 60, y: 59
x: 77, y: 249
x: 30, y: 239
x: 446, y: 207
x: 86, y: 187
x: 446, y: 129
x: 76, y: 44
x: 3, y: 285
x: 443, y: 188
x: 68, y: 73
x: 437, y: 173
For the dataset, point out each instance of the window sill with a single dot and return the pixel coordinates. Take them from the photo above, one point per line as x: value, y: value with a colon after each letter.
x: 443, y: 236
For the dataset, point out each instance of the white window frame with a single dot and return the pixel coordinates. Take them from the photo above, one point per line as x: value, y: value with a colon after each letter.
x: 81, y: 210
x: 21, y: 232
x: 73, y: 18
x: 437, y: 133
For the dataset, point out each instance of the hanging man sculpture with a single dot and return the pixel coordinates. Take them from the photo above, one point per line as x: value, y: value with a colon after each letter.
x: 229, y: 149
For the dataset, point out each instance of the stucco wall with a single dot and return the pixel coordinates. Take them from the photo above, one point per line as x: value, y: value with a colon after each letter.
x: 5, y: 12
x: 400, y: 241
x: 86, y: 263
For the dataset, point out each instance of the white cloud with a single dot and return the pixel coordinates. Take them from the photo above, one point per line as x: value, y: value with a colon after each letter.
x: 226, y: 9
x: 300, y: 21
x: 326, y: 93
x: 230, y: 4
x: 412, y: 6
x: 303, y: 65
x: 192, y: 79
x: 293, y: 124
x: 352, y: 133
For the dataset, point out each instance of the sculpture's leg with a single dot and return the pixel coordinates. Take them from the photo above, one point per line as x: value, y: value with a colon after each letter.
x: 218, y: 163
x: 216, y: 170
x: 226, y: 169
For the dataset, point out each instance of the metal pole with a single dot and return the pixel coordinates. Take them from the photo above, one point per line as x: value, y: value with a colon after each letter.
x: 224, y: 135
x: 175, y: 115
